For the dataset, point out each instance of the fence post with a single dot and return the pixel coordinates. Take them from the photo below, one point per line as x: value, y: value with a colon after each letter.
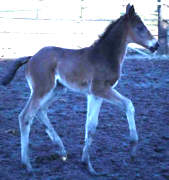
x: 162, y: 31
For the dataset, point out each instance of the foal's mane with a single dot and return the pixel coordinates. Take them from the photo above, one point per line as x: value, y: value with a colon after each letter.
x: 107, y: 31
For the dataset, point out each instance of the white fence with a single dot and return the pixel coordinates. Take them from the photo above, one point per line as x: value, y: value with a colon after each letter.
x: 73, y: 9
x: 28, y: 25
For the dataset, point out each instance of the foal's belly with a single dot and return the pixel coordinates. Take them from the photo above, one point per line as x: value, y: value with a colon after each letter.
x: 75, y: 75
x: 82, y: 77
x: 77, y: 83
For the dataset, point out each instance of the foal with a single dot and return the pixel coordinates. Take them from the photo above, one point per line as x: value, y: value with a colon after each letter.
x: 94, y: 71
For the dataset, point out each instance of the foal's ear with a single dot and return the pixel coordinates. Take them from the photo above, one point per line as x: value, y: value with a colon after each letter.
x: 130, y: 10
x: 127, y: 8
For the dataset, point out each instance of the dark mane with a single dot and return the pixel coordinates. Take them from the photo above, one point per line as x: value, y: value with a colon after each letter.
x: 107, y: 30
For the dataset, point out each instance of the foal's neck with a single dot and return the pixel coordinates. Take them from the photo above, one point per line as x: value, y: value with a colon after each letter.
x: 113, y: 47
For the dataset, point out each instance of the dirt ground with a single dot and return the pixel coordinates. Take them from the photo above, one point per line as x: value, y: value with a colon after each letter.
x: 145, y: 82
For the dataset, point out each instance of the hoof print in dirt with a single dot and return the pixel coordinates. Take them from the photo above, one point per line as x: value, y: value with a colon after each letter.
x: 133, y: 158
x: 159, y: 149
x: 12, y: 131
x: 30, y: 171
x: 165, y: 137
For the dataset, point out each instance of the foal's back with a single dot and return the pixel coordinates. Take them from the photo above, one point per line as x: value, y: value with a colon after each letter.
x: 72, y: 68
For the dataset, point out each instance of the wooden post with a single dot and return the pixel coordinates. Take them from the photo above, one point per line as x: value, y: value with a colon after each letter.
x: 162, y: 31
x: 81, y: 9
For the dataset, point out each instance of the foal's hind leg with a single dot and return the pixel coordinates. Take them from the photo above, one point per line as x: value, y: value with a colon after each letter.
x: 93, y: 109
x: 25, y: 121
x: 50, y: 130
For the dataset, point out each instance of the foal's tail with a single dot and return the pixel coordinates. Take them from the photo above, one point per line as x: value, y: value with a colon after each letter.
x: 17, y: 64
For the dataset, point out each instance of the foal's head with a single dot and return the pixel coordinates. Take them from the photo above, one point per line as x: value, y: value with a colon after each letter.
x: 138, y: 32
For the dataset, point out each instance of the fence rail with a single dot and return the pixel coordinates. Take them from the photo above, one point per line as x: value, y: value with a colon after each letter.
x: 40, y: 26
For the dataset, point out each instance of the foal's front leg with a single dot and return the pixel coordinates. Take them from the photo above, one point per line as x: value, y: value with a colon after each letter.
x: 93, y: 109
x: 114, y: 97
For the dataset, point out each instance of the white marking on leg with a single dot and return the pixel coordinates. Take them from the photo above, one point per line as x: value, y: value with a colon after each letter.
x: 24, y: 146
x: 115, y: 97
x: 51, y: 132
x: 93, y: 109
x: 25, y: 122
x: 29, y: 80
x: 130, y: 111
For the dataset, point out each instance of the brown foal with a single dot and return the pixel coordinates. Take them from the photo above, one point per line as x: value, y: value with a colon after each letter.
x: 94, y: 71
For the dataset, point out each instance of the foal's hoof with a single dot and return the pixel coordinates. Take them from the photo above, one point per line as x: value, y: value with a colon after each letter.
x: 62, y: 154
x: 132, y: 155
x: 84, y: 160
x: 28, y: 167
x: 133, y: 149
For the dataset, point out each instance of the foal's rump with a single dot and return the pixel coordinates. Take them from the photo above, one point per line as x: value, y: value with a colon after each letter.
x: 40, y: 71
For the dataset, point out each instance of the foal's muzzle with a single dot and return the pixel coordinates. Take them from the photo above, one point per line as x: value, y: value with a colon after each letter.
x: 155, y: 47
